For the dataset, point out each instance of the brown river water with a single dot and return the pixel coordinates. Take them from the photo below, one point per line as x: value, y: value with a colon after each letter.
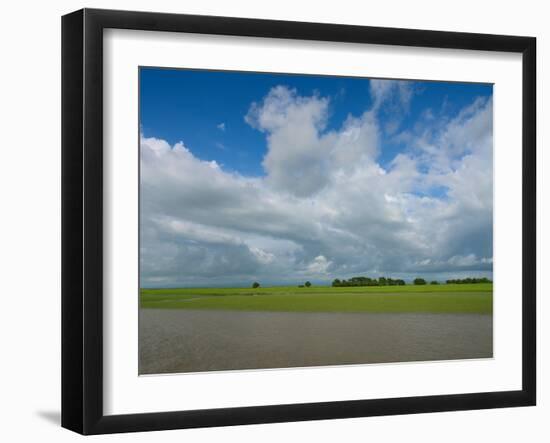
x: 179, y: 340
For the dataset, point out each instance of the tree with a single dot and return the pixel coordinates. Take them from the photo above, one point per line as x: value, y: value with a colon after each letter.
x: 367, y: 281
x: 419, y: 281
x: 255, y: 285
x: 308, y: 284
x: 469, y: 280
x: 435, y: 282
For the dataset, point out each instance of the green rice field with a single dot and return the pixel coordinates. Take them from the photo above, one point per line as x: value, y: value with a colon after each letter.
x: 445, y: 298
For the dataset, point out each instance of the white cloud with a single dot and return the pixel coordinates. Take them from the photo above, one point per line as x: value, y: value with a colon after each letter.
x: 302, y: 157
x: 397, y: 93
x: 326, y: 208
x: 319, y: 265
x: 463, y: 260
x: 263, y: 257
x: 221, y: 126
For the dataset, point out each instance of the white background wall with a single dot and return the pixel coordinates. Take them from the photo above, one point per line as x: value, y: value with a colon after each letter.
x: 30, y: 218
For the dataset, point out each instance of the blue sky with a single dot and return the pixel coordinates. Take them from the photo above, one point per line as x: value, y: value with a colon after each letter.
x: 190, y: 104
x: 276, y: 177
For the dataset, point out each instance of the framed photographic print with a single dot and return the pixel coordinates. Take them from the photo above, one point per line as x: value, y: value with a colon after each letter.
x: 269, y: 221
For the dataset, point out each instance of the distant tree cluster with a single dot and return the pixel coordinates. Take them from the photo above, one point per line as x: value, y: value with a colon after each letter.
x: 465, y: 281
x: 387, y: 281
x: 367, y: 281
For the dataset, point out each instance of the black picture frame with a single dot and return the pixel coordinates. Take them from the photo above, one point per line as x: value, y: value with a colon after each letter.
x: 82, y: 220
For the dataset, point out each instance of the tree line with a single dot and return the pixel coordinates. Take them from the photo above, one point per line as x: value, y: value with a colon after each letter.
x: 465, y: 281
x: 367, y: 281
x: 386, y: 281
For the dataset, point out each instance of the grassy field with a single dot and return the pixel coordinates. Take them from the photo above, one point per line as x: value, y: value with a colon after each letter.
x: 473, y: 298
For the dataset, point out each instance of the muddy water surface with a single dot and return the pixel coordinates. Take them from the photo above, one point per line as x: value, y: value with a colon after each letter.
x: 182, y: 340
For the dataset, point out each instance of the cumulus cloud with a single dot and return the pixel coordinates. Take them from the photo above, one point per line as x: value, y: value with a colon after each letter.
x: 395, y: 93
x: 325, y: 207
x: 302, y: 157
x: 319, y: 265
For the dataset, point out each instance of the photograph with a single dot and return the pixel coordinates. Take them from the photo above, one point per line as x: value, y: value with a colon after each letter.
x: 299, y: 220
